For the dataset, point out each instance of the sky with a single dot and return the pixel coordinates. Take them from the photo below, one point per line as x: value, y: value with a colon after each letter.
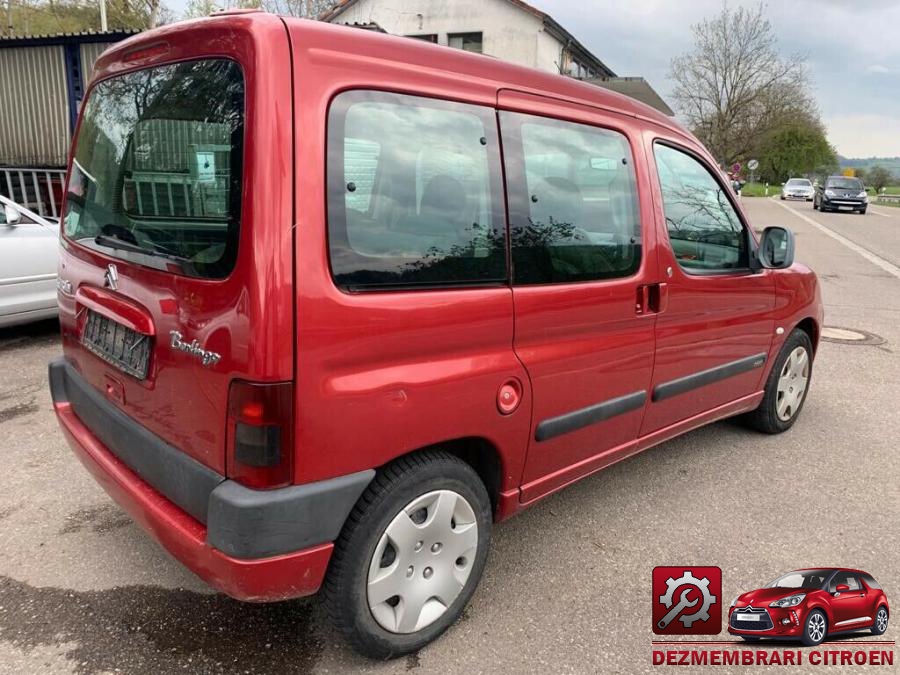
x: 852, y: 49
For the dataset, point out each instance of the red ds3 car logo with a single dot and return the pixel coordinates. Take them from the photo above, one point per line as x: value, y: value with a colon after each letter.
x: 687, y: 600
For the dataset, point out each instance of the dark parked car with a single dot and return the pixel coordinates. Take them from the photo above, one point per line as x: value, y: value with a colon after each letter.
x: 841, y: 193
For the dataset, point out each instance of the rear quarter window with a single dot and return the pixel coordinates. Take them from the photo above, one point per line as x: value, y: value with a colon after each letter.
x: 414, y: 196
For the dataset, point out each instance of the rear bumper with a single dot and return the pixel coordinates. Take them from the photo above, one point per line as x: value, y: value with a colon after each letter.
x: 254, y: 545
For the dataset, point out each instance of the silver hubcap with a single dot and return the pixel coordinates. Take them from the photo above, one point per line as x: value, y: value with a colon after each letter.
x: 817, y: 627
x: 422, y: 561
x: 881, y: 620
x: 792, y: 384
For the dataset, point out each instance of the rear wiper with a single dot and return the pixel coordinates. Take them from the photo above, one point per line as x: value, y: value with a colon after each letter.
x: 115, y: 241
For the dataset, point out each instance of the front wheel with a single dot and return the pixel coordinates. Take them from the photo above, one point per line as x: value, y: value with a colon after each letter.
x: 881, y: 621
x: 410, y: 555
x: 862, y: 212
x: 815, y: 205
x: 786, y: 386
x: 815, y: 629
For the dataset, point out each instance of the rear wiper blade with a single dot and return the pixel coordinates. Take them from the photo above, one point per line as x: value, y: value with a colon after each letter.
x: 113, y: 241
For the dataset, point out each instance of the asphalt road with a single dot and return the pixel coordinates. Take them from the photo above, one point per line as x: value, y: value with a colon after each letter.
x: 567, y: 587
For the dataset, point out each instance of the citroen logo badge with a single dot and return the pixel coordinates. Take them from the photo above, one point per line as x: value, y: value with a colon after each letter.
x: 111, y: 278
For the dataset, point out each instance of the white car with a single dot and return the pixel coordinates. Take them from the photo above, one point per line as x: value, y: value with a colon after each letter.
x: 28, y: 256
x: 798, y: 188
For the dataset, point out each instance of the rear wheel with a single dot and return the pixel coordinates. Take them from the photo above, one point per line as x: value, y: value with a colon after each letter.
x: 786, y: 386
x: 881, y: 621
x: 815, y: 629
x: 410, y: 555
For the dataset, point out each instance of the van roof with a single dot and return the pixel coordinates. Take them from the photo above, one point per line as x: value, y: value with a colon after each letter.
x: 506, y: 74
x: 406, y: 50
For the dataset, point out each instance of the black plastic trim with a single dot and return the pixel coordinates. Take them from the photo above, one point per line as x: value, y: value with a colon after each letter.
x: 704, y: 377
x: 245, y: 523
x: 182, y: 479
x: 578, y: 419
x: 241, y: 522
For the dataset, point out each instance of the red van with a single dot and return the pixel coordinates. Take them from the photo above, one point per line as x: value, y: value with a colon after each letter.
x: 334, y: 302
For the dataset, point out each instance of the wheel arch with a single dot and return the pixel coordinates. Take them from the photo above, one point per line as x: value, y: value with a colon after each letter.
x: 812, y: 329
x: 479, y: 453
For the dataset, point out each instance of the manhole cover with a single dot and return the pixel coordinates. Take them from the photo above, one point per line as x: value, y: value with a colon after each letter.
x: 850, y: 336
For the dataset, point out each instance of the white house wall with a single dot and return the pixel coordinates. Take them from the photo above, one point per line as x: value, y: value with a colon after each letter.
x: 507, y: 31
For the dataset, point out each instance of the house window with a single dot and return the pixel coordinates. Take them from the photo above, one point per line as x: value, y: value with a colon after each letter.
x: 470, y: 42
x: 430, y: 37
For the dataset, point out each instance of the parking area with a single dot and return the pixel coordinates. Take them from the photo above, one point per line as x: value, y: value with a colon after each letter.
x: 567, y: 587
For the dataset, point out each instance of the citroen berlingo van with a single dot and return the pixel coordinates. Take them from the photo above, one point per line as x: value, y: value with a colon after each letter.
x: 333, y: 303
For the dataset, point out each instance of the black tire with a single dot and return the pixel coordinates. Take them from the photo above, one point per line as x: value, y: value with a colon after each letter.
x: 815, y: 205
x: 393, y: 488
x: 782, y: 197
x: 875, y: 629
x: 862, y: 212
x: 806, y: 638
x: 765, y: 418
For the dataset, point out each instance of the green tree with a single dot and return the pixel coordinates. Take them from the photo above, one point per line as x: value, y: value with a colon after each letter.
x: 879, y: 177
x: 45, y: 17
x: 735, y: 86
x: 796, y: 147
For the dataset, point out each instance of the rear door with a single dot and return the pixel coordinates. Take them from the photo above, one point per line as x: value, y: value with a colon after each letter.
x: 584, y: 282
x: 713, y: 338
x: 177, y: 228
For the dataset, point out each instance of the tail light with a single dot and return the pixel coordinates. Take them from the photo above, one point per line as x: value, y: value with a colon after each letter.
x: 260, y: 450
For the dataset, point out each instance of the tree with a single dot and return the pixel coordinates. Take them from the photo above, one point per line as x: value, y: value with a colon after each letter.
x: 879, y: 177
x: 308, y: 9
x: 796, y: 147
x: 735, y: 86
x: 41, y: 17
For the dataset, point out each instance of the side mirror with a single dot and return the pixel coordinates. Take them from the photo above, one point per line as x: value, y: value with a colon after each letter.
x: 776, y: 248
x: 12, y: 215
x: 842, y: 588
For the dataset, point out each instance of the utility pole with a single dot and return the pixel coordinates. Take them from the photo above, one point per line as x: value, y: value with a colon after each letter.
x: 103, y: 25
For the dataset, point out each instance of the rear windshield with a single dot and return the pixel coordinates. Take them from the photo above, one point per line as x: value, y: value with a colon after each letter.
x: 156, y: 175
x: 844, y: 183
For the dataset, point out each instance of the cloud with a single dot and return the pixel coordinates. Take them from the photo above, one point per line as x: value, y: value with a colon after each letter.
x: 865, y: 134
x: 877, y: 68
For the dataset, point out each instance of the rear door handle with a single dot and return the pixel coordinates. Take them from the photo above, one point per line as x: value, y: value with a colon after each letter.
x: 652, y: 298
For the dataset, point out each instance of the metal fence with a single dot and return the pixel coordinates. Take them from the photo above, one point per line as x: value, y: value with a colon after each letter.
x: 40, y: 190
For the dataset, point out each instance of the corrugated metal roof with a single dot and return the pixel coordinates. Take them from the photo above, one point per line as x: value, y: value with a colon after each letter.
x: 34, y: 126
x: 66, y: 38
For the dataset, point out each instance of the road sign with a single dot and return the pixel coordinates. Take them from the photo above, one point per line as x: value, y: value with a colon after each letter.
x: 753, y: 165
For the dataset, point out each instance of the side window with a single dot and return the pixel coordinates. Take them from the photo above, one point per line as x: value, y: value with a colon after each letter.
x: 704, y: 229
x: 414, y: 193
x: 573, y: 201
x: 844, y: 578
x: 870, y: 581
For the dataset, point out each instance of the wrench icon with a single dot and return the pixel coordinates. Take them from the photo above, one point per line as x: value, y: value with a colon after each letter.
x: 682, y: 604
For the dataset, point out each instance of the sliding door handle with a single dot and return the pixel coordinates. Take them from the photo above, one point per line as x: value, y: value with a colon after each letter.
x: 652, y: 298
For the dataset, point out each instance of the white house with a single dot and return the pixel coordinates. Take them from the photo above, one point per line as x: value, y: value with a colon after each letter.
x: 511, y: 30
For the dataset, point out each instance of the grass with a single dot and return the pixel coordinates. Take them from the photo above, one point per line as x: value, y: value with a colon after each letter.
x: 892, y: 190
x: 759, y: 190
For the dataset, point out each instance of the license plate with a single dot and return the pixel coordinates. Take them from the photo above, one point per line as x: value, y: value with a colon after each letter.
x: 845, y: 208
x: 748, y: 617
x: 119, y: 345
